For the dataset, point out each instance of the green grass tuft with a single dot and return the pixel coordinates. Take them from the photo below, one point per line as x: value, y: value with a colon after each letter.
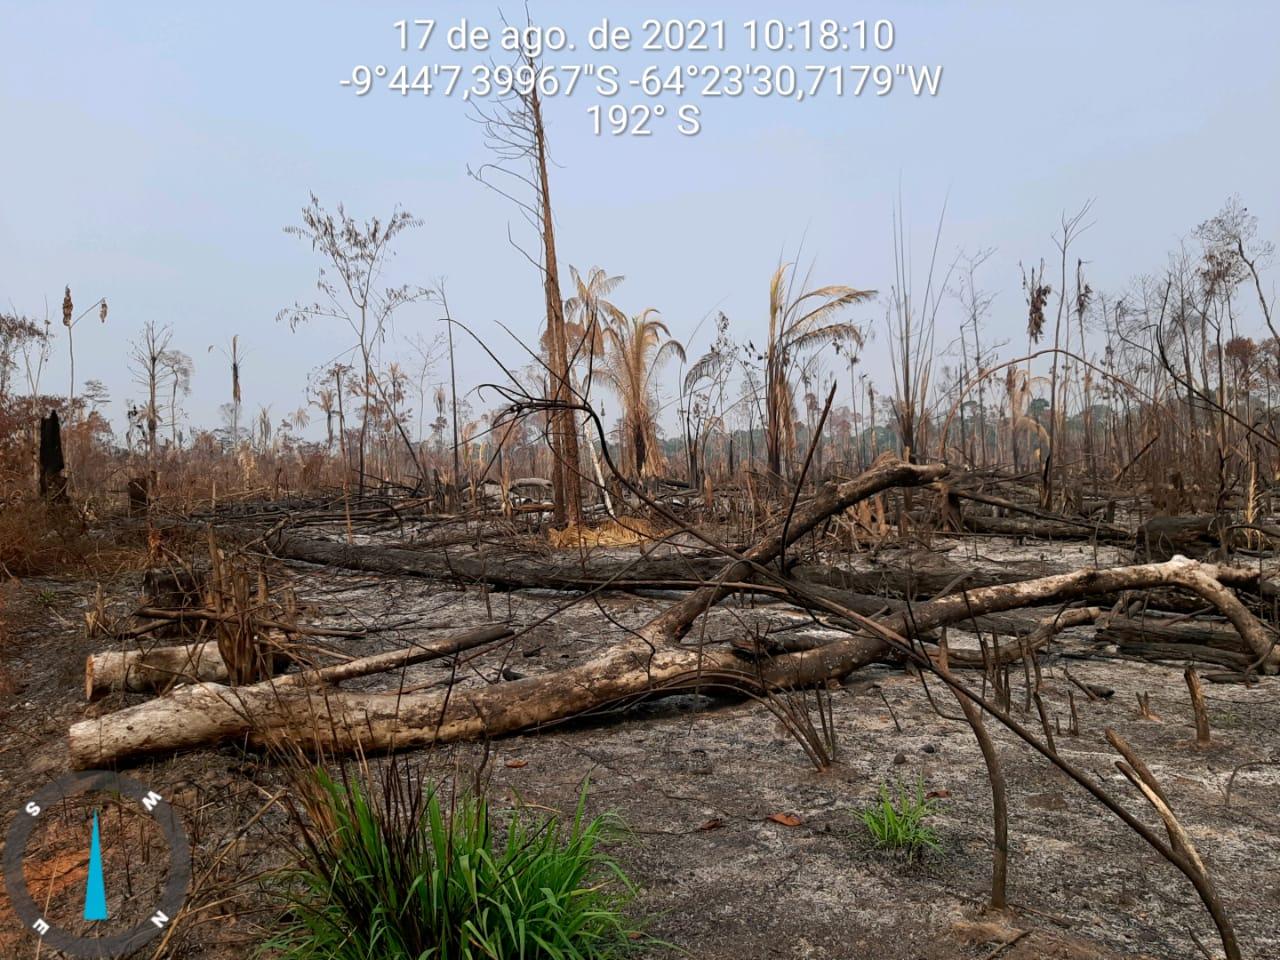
x: 398, y: 876
x: 899, y: 824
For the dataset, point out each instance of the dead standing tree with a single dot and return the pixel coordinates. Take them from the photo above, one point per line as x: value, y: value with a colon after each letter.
x: 911, y: 325
x: 516, y: 135
x: 156, y: 369
x: 53, y: 478
x: 1071, y: 229
x: 68, y: 321
x: 357, y: 255
x: 636, y: 349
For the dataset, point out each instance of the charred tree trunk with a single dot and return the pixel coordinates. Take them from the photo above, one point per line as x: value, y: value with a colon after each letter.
x: 139, y: 494
x: 53, y: 479
x: 568, y: 492
x: 1162, y: 537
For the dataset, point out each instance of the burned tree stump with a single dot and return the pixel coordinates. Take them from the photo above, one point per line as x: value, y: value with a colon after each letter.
x: 139, y: 493
x: 173, y: 589
x: 1161, y: 538
x: 53, y: 479
x: 1198, y: 708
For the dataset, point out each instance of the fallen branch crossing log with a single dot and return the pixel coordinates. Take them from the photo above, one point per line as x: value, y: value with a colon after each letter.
x: 654, y: 660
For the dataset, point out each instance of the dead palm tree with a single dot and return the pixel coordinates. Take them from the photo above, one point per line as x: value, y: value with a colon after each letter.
x: 587, y: 313
x: 1019, y: 385
x: 325, y: 401
x: 798, y: 322
x: 635, y: 350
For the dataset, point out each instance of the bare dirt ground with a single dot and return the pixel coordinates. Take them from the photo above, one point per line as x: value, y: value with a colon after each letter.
x: 696, y: 779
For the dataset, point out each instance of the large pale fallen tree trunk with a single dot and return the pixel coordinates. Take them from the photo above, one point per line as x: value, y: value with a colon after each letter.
x: 1019, y: 624
x: 1204, y: 580
x: 654, y: 660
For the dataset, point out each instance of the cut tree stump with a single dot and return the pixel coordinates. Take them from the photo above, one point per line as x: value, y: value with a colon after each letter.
x: 158, y: 668
x: 139, y: 671
x: 173, y: 588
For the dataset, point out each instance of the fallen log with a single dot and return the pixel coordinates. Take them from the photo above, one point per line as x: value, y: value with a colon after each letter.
x: 1088, y: 528
x: 1124, y: 630
x: 502, y: 571
x: 1016, y: 624
x: 570, y: 574
x: 433, y: 649
x: 1190, y: 575
x: 266, y: 712
x: 906, y: 581
x: 931, y: 582
x: 177, y: 714
x: 1184, y: 653
x: 154, y: 669
x: 301, y: 629
x: 1043, y: 529
x: 671, y: 572
x: 343, y: 722
x: 1163, y: 537
x: 1047, y: 628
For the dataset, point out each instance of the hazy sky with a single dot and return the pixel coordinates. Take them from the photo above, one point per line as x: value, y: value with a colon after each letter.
x: 153, y: 152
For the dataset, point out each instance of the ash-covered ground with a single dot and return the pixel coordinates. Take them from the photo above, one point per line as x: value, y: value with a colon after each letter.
x: 695, y: 780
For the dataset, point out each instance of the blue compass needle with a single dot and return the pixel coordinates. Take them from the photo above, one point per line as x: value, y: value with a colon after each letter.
x: 95, y: 890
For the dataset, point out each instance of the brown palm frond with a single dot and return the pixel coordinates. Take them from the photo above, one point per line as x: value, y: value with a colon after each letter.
x: 796, y: 324
x: 705, y: 367
x: 831, y: 333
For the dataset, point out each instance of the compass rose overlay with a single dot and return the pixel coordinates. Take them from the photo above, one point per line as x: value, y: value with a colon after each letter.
x: 126, y: 792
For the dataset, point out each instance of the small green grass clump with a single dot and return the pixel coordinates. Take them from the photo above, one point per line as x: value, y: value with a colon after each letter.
x: 899, y: 824
x: 399, y: 877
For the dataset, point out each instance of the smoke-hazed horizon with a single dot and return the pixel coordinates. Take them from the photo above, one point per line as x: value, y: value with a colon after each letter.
x: 155, y: 154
